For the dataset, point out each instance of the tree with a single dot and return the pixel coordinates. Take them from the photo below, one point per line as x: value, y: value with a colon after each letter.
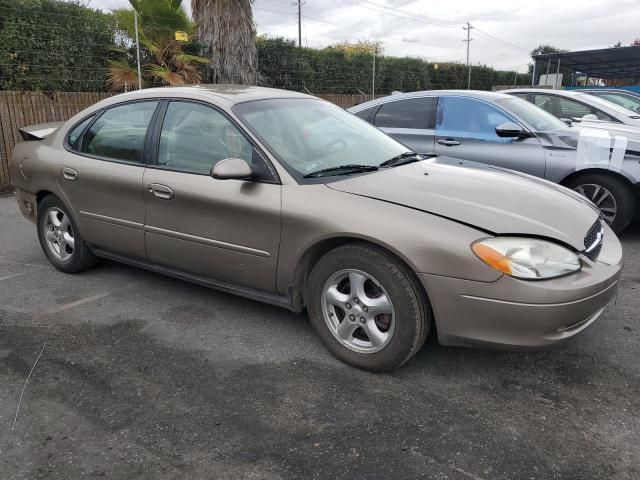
x: 226, y: 33
x: 636, y: 43
x: 360, y: 47
x: 166, y: 61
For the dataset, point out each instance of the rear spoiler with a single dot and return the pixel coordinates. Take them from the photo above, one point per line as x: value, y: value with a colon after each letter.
x: 39, y: 131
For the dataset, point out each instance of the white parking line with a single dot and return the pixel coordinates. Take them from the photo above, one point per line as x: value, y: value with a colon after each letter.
x: 67, y: 306
x: 7, y: 277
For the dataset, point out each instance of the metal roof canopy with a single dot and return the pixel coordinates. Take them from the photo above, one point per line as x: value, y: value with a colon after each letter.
x: 603, y: 63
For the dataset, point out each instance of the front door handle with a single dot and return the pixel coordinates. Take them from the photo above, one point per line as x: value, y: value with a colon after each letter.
x: 69, y: 174
x: 161, y: 191
x: 449, y: 142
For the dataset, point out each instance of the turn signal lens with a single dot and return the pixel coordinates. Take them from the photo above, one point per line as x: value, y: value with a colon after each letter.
x: 526, y: 258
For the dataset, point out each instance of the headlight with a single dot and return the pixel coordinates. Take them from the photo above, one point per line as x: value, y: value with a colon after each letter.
x: 527, y: 258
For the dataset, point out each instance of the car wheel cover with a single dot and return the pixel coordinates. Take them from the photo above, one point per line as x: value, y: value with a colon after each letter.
x: 58, y: 234
x: 602, y: 198
x: 358, y: 311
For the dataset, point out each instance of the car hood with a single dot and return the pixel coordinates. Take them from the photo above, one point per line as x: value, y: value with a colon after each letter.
x: 495, y: 200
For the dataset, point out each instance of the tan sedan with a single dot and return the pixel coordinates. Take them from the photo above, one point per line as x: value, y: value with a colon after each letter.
x: 287, y: 199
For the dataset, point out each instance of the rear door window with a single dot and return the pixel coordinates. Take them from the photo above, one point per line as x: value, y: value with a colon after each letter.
x: 76, y: 132
x: 119, y: 133
x: 416, y: 113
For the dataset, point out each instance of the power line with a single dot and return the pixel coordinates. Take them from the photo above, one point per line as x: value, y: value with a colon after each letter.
x: 504, y: 42
x: 406, y: 15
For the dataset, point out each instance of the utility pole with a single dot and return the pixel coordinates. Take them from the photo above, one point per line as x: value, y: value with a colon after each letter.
x: 468, y: 28
x: 299, y: 4
x: 373, y: 76
x: 135, y: 23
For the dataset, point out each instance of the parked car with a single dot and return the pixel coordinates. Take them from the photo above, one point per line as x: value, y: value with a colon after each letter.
x: 231, y: 187
x: 624, y: 98
x: 576, y: 106
x: 505, y: 131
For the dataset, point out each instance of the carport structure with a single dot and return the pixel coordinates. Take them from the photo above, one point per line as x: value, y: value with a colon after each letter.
x: 622, y: 63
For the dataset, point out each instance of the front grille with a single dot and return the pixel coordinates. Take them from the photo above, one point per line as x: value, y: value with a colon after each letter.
x: 593, y: 241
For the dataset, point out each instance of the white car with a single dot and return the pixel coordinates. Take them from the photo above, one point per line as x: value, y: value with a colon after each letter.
x: 576, y: 106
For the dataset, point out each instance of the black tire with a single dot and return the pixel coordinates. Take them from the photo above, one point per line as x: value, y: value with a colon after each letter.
x: 412, y: 310
x: 81, y: 258
x: 623, y: 194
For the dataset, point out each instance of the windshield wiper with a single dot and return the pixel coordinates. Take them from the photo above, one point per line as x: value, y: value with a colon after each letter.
x: 402, y: 159
x: 342, y: 170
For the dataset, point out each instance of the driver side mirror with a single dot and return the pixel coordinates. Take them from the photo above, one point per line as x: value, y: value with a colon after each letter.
x: 232, y: 169
x: 511, y: 130
x: 589, y: 116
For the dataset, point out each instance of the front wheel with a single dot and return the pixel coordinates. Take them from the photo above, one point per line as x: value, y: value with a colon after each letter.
x: 614, y: 198
x: 367, y: 307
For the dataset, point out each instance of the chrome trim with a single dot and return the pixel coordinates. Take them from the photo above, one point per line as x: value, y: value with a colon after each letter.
x: 597, y: 241
x: 206, y: 241
x: 113, y: 220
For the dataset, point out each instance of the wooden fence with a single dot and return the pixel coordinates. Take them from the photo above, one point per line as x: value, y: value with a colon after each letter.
x: 19, y: 109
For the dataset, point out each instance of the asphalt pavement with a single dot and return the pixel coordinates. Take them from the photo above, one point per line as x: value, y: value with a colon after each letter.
x: 148, y: 377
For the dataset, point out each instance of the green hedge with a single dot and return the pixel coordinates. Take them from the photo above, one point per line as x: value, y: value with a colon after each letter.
x: 52, y: 45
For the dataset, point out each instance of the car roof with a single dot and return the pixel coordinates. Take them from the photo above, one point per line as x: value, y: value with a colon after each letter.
x: 566, y: 93
x: 231, y: 94
x: 482, y: 94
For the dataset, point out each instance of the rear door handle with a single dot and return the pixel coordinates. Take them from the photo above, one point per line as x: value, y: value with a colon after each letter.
x: 449, y: 142
x: 69, y: 174
x: 161, y: 191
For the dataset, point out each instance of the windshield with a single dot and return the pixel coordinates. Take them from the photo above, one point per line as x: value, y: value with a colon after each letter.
x: 536, y: 117
x: 627, y: 101
x: 308, y: 135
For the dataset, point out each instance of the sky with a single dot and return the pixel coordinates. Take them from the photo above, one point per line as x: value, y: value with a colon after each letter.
x: 503, y: 34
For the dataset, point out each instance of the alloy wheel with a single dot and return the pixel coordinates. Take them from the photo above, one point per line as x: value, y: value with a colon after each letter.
x: 358, y: 311
x: 602, y: 198
x: 58, y: 234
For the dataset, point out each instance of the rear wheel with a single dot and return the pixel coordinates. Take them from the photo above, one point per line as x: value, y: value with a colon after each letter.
x: 614, y: 198
x: 60, y: 239
x: 367, y: 308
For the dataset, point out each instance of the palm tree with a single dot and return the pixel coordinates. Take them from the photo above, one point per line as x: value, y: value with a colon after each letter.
x: 227, y: 33
x: 168, y: 64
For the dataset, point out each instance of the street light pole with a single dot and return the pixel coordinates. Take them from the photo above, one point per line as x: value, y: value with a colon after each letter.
x: 135, y: 22
x: 468, y: 28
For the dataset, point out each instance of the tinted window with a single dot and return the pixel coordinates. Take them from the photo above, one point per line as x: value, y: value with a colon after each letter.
x: 195, y: 137
x: 410, y: 113
x: 524, y: 96
x: 469, y: 118
x: 75, y: 133
x: 120, y: 131
x: 364, y: 114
